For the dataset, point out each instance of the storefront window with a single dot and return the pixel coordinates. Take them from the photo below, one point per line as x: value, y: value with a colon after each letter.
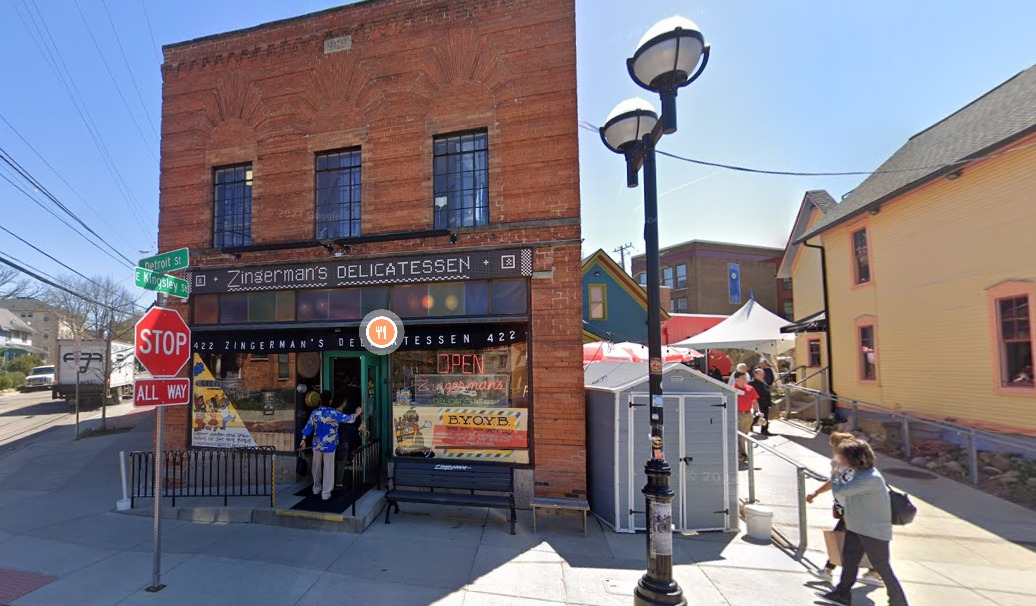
x: 241, y: 401
x: 509, y: 297
x: 206, y: 309
x: 461, y: 404
x: 233, y: 308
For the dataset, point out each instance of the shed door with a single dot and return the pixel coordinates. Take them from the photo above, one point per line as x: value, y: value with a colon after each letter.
x: 703, y: 461
x: 639, y: 451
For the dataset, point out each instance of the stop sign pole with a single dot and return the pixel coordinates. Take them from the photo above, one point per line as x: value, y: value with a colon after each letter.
x: 162, y: 343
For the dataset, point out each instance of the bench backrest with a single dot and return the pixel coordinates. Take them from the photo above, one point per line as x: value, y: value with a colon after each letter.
x: 453, y: 476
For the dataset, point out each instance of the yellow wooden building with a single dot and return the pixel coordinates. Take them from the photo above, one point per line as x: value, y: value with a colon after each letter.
x: 930, y: 270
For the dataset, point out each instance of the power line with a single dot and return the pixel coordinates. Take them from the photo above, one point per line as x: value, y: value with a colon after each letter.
x: 129, y: 69
x: 63, y: 180
x: 147, y: 20
x: 53, y: 282
x: 745, y: 169
x: 48, y: 255
x: 53, y: 58
x: 111, y: 75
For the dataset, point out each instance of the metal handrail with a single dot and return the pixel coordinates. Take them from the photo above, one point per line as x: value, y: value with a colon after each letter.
x: 972, y: 434
x: 801, y: 473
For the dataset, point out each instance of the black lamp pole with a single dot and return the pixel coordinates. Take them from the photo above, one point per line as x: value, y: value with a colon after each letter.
x: 658, y: 66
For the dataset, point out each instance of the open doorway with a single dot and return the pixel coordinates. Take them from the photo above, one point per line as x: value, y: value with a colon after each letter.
x: 346, y: 383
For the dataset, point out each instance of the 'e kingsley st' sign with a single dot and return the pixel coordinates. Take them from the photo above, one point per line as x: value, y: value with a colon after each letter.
x: 170, y: 285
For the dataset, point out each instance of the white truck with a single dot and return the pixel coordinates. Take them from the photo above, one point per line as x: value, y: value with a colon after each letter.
x: 89, y: 365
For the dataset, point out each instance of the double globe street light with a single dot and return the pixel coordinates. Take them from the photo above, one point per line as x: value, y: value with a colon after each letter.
x: 671, y: 55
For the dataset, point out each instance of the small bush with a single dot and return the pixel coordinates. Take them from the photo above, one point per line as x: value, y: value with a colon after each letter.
x: 5, y: 383
x: 16, y: 378
x: 24, y: 364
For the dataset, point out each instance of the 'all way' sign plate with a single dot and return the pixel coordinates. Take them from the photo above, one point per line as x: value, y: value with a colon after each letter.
x: 161, y: 392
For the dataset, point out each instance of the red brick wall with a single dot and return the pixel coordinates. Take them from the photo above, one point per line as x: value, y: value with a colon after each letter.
x: 417, y: 68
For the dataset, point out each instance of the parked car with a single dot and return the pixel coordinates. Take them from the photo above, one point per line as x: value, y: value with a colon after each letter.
x: 42, y: 377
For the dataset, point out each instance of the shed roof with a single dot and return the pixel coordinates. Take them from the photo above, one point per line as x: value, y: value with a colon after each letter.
x: 616, y: 376
x: 997, y: 118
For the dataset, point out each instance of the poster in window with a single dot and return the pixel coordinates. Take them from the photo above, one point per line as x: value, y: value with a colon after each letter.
x: 216, y: 422
x: 461, y: 390
x: 461, y: 433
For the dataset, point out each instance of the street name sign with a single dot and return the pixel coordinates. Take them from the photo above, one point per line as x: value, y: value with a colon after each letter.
x: 152, y: 280
x: 163, y: 342
x: 173, y: 260
x: 161, y: 392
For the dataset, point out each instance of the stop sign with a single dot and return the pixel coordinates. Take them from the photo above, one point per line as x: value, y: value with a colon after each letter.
x: 163, y: 342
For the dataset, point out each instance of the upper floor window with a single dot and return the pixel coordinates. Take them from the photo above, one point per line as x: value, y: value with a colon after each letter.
x: 461, y: 180
x: 814, y: 353
x: 642, y: 278
x: 232, y: 206
x: 1015, y: 336
x: 868, y: 353
x: 338, y: 195
x: 789, y: 309
x: 681, y: 276
x: 678, y: 305
x: 598, y: 301
x: 667, y: 277
x: 786, y: 283
x: 861, y: 257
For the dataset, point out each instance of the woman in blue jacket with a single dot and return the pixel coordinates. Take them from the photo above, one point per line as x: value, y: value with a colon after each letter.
x: 868, y: 522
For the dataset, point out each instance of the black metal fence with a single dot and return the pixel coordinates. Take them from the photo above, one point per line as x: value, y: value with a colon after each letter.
x: 208, y: 472
x: 367, y: 471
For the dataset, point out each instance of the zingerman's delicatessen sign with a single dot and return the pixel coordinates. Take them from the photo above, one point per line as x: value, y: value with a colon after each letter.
x: 458, y: 383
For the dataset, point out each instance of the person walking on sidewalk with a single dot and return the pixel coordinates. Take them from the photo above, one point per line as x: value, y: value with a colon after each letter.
x: 762, y: 388
x: 843, y: 474
x: 742, y: 367
x: 323, y: 426
x: 868, y: 523
x: 747, y: 406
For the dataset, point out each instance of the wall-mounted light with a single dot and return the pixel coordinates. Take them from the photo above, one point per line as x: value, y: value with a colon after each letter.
x: 597, y: 273
x: 453, y: 238
x: 954, y: 174
x: 875, y: 210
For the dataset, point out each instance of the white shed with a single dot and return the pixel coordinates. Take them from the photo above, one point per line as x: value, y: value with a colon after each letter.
x: 700, y: 443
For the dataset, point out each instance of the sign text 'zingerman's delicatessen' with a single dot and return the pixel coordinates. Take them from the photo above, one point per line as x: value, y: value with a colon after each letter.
x: 345, y: 271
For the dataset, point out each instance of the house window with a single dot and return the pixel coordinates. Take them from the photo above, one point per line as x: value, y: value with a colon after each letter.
x: 868, y: 354
x: 642, y: 278
x: 786, y: 283
x: 338, y: 195
x: 667, y: 276
x: 789, y: 309
x: 814, y: 353
x: 681, y: 276
x: 861, y: 257
x: 461, y: 180
x: 598, y: 302
x: 678, y: 305
x: 1015, y: 335
x: 232, y: 206
x: 283, y: 369
x: 260, y: 358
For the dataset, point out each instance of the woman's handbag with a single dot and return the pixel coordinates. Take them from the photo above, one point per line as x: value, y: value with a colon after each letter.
x: 903, y: 511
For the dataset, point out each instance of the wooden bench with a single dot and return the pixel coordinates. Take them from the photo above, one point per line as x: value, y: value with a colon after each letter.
x: 434, y: 479
x: 567, y: 504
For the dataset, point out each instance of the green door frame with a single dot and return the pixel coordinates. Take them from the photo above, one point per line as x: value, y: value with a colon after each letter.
x: 381, y: 405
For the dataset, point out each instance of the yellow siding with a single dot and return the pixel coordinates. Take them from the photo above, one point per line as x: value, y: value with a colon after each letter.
x: 802, y: 358
x: 808, y: 294
x: 934, y: 252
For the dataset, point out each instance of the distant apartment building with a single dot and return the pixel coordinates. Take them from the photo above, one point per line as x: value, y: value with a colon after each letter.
x: 45, y: 321
x: 718, y: 277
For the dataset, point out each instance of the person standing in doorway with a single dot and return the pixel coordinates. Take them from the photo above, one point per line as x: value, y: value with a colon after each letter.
x: 868, y: 522
x: 758, y: 383
x: 323, y: 426
x: 747, y: 406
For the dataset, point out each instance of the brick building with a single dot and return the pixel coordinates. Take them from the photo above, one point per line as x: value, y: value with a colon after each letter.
x: 391, y: 154
x: 718, y: 277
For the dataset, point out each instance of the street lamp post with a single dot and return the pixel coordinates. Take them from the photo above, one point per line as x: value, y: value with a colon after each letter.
x: 672, y: 54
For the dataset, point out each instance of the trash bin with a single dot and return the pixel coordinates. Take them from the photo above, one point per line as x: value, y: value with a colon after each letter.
x: 759, y: 522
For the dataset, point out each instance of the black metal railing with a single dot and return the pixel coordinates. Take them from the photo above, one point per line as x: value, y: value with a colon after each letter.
x: 367, y: 472
x: 208, y: 472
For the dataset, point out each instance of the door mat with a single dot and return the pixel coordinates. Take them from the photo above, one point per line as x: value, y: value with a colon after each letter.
x: 341, y: 499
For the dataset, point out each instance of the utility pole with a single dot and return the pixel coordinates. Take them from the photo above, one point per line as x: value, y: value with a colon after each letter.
x: 622, y: 253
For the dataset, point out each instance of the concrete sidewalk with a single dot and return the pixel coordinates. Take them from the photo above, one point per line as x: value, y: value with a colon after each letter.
x: 965, y: 547
x: 58, y: 535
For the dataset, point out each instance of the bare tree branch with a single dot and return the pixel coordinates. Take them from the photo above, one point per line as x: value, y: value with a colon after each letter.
x: 14, y: 284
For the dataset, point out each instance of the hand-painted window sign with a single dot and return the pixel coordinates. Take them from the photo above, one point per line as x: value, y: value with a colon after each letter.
x: 290, y: 340
x: 340, y: 273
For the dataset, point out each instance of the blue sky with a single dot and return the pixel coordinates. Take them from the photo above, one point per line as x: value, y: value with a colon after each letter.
x: 807, y: 85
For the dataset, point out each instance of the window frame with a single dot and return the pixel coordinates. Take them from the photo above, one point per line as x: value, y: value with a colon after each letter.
x: 809, y: 353
x: 675, y: 305
x: 1010, y: 289
x: 317, y: 171
x: 677, y: 279
x: 441, y: 219
x: 283, y: 363
x: 855, y: 256
x: 866, y: 322
x: 219, y: 230
x: 603, y: 289
x: 671, y: 280
x: 641, y: 278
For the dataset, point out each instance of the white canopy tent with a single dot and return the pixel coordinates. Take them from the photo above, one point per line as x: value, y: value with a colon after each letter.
x: 752, y: 327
